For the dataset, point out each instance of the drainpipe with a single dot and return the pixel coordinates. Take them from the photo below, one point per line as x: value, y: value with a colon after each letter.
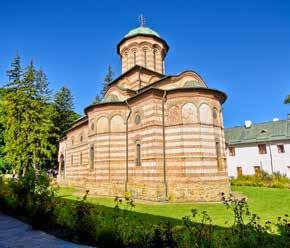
x: 127, y: 145
x: 164, y: 154
x: 271, y: 157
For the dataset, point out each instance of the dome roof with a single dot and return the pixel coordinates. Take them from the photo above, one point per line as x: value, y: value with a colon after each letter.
x: 142, y: 30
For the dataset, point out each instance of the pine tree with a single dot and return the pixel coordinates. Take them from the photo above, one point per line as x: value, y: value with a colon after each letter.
x: 64, y: 108
x: 28, y: 118
x: 107, y: 79
x: 98, y: 99
x: 13, y: 106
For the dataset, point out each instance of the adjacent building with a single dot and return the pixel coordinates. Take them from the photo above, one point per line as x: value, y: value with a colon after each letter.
x: 255, y: 147
x: 158, y: 136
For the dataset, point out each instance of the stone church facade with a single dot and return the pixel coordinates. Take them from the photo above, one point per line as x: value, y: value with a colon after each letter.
x: 160, y: 137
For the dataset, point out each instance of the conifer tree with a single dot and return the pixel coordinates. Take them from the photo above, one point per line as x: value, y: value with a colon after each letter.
x: 28, y: 118
x: 98, y: 99
x: 64, y: 108
x: 107, y: 79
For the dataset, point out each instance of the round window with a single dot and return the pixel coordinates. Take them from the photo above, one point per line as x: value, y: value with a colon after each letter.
x: 137, y: 119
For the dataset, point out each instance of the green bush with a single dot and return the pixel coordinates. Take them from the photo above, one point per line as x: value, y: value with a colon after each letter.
x: 82, y: 222
x: 264, y: 180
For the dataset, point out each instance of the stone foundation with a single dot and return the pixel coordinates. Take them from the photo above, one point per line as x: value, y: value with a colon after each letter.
x: 151, y: 191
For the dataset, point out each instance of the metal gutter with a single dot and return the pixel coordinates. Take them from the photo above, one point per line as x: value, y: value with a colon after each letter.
x: 127, y: 146
x: 164, y: 153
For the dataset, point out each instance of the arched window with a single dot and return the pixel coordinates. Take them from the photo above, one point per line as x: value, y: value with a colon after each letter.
x: 92, y: 156
x: 154, y: 59
x: 126, y: 61
x: 138, y: 154
x: 134, y: 58
x: 81, y: 158
x: 72, y: 160
x: 145, y: 57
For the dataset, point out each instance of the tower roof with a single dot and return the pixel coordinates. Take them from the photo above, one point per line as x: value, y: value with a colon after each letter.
x: 142, y: 30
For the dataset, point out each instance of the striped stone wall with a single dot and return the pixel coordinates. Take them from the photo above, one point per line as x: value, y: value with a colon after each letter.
x: 194, y: 168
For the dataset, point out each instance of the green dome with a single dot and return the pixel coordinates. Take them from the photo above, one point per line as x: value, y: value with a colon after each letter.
x: 142, y: 30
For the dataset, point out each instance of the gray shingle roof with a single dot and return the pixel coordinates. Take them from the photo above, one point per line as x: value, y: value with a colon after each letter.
x: 261, y: 132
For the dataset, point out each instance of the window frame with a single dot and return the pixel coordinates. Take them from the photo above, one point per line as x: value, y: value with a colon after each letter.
x: 261, y: 149
x: 232, y: 151
x: 282, y: 150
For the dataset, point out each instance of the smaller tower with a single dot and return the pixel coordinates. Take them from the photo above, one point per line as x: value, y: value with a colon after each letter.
x: 143, y: 46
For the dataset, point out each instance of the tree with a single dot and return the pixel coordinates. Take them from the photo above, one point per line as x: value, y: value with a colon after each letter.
x: 107, y: 79
x: 28, y: 125
x: 98, y: 99
x: 64, y: 108
x: 4, y: 165
x: 287, y: 100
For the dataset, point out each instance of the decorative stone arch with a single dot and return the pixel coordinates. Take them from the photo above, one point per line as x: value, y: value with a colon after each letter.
x: 205, y: 114
x: 112, y: 97
x: 117, y: 124
x: 102, y: 125
x: 173, y: 115
x: 189, y: 113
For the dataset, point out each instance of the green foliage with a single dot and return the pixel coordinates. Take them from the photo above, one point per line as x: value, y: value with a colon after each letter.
x: 264, y: 180
x: 107, y: 79
x: 98, y: 99
x: 83, y: 222
x: 64, y: 109
x: 27, y: 118
x: 32, y: 196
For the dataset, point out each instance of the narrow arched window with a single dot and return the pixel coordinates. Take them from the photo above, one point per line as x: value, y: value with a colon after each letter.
x: 134, y: 57
x: 92, y: 156
x: 145, y: 57
x: 154, y: 59
x: 81, y: 158
x: 127, y: 62
x: 71, y: 160
x: 138, y: 154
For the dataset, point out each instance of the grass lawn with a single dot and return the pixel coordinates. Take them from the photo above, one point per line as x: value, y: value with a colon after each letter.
x: 268, y: 203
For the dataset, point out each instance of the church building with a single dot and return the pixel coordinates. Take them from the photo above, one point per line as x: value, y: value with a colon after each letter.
x: 159, y: 137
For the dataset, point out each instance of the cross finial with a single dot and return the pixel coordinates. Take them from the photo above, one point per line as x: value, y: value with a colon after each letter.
x: 142, y: 20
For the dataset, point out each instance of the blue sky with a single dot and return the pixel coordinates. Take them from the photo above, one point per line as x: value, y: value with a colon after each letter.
x: 240, y: 47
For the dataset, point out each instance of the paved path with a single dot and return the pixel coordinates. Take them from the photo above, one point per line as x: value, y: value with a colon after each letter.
x: 16, y: 234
